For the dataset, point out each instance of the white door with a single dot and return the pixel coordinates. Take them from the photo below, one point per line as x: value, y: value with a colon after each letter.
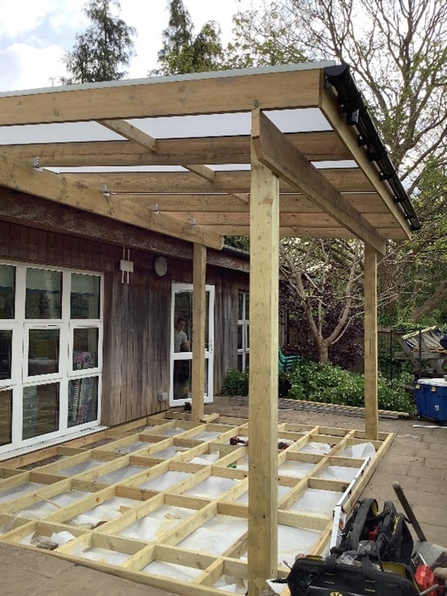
x: 181, y: 348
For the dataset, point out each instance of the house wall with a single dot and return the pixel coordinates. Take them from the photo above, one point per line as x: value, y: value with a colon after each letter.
x: 137, y: 315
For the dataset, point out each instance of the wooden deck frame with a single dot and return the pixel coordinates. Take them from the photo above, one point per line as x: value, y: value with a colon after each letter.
x: 283, y: 195
x: 178, y: 514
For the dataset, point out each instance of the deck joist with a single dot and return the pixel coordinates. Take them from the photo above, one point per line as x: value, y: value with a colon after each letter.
x: 164, y: 501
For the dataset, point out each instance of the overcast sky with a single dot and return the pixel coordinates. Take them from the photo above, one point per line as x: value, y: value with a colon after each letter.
x: 35, y: 34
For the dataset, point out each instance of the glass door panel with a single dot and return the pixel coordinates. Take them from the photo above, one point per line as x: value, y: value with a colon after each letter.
x: 182, y: 348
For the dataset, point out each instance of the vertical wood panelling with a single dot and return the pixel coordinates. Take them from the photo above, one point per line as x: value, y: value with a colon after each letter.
x: 137, y: 316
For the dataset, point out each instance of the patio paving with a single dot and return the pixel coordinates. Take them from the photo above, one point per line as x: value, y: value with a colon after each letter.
x: 416, y: 458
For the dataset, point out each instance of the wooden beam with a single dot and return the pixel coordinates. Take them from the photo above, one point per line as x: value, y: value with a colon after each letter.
x: 263, y: 379
x: 57, y: 188
x: 198, y: 332
x: 275, y: 152
x: 232, y: 91
x: 371, y: 349
x: 240, y: 203
x: 349, y: 137
x: 316, y: 146
x: 309, y: 220
x: 131, y: 133
x: 230, y: 181
x: 203, y: 171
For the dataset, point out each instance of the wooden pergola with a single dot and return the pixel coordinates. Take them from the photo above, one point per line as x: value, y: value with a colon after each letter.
x: 265, y: 153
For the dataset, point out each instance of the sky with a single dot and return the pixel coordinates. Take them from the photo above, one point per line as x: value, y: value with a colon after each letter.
x: 35, y: 34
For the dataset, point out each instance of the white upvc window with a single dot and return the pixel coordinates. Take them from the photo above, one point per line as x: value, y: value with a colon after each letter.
x: 50, y: 352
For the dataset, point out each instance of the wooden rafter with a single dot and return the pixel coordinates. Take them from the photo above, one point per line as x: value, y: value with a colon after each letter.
x: 289, y: 164
x: 131, y: 133
x: 20, y: 176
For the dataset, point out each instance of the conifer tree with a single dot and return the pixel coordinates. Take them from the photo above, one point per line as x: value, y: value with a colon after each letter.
x: 104, y: 49
x: 183, y: 52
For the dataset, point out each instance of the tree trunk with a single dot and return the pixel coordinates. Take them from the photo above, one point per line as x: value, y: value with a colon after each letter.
x: 323, y: 352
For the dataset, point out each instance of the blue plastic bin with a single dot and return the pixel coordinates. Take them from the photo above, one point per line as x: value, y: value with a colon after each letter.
x: 431, y: 399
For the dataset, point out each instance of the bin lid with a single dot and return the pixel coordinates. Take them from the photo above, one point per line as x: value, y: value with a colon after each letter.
x: 433, y: 382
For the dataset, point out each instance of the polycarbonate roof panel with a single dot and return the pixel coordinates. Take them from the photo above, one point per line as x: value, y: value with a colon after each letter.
x: 176, y: 127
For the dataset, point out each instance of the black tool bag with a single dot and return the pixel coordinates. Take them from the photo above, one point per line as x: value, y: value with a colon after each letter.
x: 311, y: 576
x: 378, y: 535
x: 372, y: 558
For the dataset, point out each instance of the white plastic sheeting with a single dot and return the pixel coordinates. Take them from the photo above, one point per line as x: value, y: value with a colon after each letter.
x: 51, y: 505
x: 18, y: 491
x: 360, y: 451
x: 216, y: 535
x: 317, y: 501
x: 165, y: 481
x: 154, y: 525
x: 105, y: 511
x: 211, y: 488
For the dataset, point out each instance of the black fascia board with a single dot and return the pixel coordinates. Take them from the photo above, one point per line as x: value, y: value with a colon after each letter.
x: 353, y: 105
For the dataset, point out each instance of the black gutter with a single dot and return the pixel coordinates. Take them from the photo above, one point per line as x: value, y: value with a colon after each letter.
x: 351, y: 100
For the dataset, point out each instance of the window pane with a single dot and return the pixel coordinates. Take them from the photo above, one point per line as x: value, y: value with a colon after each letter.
x: 43, y: 351
x: 5, y: 353
x: 84, y: 299
x: 40, y: 410
x: 82, y: 401
x: 85, y: 348
x: 7, y: 291
x: 5, y: 417
x: 240, y: 329
x: 43, y: 294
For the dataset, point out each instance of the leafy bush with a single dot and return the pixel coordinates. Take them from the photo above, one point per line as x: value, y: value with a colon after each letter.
x: 235, y: 383
x: 327, y: 383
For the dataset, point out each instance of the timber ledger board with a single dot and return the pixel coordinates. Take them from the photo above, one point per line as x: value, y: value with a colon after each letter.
x: 163, y: 501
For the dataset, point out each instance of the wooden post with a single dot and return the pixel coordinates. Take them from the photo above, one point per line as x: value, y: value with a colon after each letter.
x: 371, y: 356
x: 263, y: 379
x: 198, y: 332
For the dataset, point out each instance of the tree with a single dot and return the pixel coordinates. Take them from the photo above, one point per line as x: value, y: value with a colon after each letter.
x: 318, y: 287
x: 398, y: 53
x: 183, y: 52
x: 106, y: 46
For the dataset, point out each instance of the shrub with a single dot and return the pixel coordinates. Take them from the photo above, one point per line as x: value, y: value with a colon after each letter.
x: 235, y: 383
x: 327, y: 383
